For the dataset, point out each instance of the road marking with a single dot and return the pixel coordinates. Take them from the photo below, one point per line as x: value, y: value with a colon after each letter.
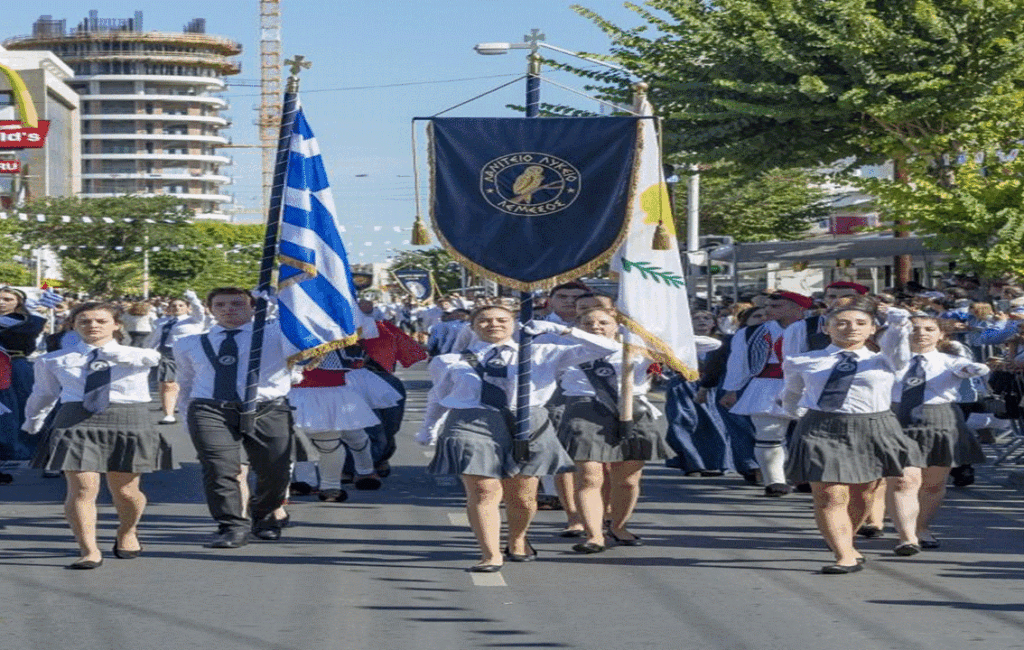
x: 428, y: 454
x: 488, y: 580
x: 458, y: 519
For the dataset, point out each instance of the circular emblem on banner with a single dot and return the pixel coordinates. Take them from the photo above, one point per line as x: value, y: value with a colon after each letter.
x: 98, y: 366
x: 604, y: 372
x: 529, y: 184
x: 913, y: 381
x: 845, y: 366
x: 416, y: 289
x: 227, y: 360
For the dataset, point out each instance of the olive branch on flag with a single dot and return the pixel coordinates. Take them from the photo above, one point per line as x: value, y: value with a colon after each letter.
x: 652, y: 272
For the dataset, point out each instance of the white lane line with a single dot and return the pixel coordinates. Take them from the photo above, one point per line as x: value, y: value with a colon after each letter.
x: 488, y: 580
x: 428, y: 454
x: 458, y: 519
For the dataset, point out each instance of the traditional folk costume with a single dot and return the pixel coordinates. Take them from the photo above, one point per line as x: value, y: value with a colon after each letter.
x: 469, y: 408
x: 755, y: 368
x: 18, y: 335
x: 590, y: 429
x: 334, y: 404
x: 102, y: 423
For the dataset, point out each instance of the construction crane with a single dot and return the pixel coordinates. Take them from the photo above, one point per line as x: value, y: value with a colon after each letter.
x: 269, y: 121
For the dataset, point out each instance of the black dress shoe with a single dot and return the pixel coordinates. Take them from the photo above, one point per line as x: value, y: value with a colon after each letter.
x: 84, y: 565
x: 572, y: 532
x: 839, y: 569
x: 383, y: 469
x: 338, y: 496
x: 530, y: 556
x: 588, y: 548
x: 230, y: 538
x: 871, y: 532
x: 371, y: 482
x: 485, y: 568
x: 635, y: 541
x: 301, y: 488
x: 777, y: 490
x: 906, y: 550
x: 269, y: 533
x: 126, y: 555
x: 6, y: 478
x: 930, y: 543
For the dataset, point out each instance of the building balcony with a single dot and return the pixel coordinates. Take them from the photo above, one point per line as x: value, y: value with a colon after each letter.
x: 158, y: 176
x: 156, y: 99
x: 214, y: 82
x: 215, y: 198
x: 165, y: 137
x: 158, y: 117
x: 224, y: 160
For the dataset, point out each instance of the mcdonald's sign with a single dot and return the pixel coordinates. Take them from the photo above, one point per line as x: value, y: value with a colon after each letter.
x: 29, y: 132
x: 10, y: 166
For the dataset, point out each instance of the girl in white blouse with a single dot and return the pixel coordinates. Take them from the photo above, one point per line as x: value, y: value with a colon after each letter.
x: 847, y: 437
x: 593, y: 436
x: 469, y: 416
x: 102, y: 426
x: 923, y: 399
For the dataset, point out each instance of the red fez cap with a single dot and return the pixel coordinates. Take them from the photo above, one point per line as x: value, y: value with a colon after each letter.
x: 804, y: 301
x: 845, y: 284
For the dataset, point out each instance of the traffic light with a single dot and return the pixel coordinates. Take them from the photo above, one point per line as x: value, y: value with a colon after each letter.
x: 714, y: 241
x: 717, y: 268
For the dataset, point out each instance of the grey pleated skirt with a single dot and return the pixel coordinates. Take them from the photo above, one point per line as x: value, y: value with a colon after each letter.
x: 944, y: 437
x: 849, y: 448
x: 120, y: 439
x: 477, y: 441
x: 591, y: 432
x: 167, y: 369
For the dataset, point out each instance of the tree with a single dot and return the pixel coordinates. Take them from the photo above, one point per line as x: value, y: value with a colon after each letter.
x: 11, y: 271
x: 103, y: 256
x: 802, y: 83
x: 214, y: 255
x: 775, y: 204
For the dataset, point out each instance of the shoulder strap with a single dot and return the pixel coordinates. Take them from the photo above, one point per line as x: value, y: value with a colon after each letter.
x: 208, y: 349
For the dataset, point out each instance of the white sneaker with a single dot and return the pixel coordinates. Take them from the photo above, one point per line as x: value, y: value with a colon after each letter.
x: 168, y: 419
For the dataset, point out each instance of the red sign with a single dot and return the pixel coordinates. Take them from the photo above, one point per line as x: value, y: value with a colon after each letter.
x: 13, y: 135
x: 10, y: 166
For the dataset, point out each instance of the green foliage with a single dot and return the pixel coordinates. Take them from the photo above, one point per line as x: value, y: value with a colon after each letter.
x: 438, y: 261
x: 976, y: 211
x: 12, y: 272
x: 770, y: 205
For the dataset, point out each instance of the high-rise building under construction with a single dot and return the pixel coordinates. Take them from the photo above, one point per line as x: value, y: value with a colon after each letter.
x: 151, y: 117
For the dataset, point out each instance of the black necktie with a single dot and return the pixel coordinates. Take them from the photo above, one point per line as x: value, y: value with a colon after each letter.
x: 225, y: 377
x: 839, y: 382
x: 96, y: 397
x: 912, y: 396
x: 493, y: 373
x: 165, y: 333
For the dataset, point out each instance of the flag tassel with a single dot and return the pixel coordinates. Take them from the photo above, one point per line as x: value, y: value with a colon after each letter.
x: 420, y: 235
x: 662, y: 240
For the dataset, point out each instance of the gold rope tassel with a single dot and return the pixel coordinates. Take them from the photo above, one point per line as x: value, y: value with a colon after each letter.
x: 662, y: 240
x: 420, y: 236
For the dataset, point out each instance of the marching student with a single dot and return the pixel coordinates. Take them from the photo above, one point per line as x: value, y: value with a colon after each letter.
x: 181, y: 318
x: 211, y: 372
x: 924, y: 401
x: 469, y: 416
x: 600, y: 444
x: 19, y: 331
x: 102, y: 426
x: 847, y: 437
x: 755, y: 366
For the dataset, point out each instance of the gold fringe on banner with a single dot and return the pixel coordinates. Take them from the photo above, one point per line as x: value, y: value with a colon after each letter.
x: 662, y: 240
x: 420, y: 236
x: 561, y: 278
x: 323, y: 349
x: 657, y: 349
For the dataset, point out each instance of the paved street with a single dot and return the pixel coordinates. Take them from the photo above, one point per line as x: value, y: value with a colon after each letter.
x: 723, y: 568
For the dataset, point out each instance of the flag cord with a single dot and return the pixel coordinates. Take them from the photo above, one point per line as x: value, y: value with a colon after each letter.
x: 473, y: 99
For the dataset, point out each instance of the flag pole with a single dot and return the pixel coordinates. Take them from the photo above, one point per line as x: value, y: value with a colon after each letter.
x: 247, y: 417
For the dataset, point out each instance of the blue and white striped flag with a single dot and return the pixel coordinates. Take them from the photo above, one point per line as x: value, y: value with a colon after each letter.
x: 316, y: 296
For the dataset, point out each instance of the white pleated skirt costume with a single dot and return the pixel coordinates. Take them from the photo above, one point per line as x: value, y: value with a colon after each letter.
x: 343, y: 408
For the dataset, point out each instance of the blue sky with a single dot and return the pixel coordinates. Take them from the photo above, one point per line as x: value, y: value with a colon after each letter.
x: 376, y: 65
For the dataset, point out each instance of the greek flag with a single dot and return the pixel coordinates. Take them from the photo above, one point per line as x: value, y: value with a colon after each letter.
x: 316, y: 296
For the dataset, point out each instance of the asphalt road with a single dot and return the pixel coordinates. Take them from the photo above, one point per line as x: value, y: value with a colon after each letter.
x: 723, y: 568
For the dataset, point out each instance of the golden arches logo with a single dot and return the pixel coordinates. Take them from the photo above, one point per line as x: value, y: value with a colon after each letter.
x: 22, y: 98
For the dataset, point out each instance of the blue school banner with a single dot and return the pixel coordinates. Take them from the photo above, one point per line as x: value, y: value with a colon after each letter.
x: 416, y: 281
x: 532, y: 202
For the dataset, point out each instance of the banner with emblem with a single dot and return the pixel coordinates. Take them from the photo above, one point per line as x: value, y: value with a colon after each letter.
x: 530, y: 203
x: 416, y: 281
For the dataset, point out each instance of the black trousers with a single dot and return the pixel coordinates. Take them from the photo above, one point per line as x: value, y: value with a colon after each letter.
x: 219, y: 441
